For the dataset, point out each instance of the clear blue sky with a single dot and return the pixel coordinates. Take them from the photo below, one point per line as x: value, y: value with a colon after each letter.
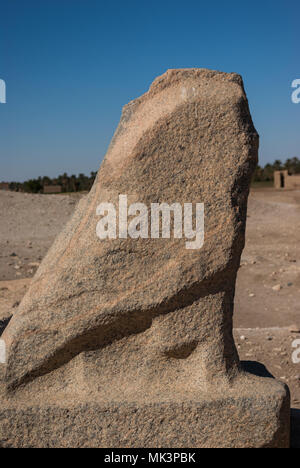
x: 70, y: 66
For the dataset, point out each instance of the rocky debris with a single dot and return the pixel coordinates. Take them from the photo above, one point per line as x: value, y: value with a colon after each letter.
x: 294, y: 329
x: 276, y: 352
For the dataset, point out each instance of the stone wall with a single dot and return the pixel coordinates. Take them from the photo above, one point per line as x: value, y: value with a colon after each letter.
x: 282, y: 180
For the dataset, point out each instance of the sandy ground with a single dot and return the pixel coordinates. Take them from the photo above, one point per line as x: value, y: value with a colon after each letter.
x: 267, y: 303
x: 29, y: 224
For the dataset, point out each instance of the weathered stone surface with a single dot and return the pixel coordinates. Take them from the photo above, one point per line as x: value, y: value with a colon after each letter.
x: 132, y: 338
x: 244, y: 418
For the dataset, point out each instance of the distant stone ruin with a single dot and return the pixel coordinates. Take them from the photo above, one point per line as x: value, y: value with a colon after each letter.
x: 127, y: 341
x: 283, y: 180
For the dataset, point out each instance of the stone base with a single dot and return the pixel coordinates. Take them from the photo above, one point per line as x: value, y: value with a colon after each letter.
x: 255, y: 412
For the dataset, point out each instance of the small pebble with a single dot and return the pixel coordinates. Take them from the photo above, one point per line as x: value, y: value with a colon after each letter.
x: 294, y: 329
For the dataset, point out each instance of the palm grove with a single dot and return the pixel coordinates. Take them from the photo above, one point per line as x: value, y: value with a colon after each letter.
x: 82, y: 182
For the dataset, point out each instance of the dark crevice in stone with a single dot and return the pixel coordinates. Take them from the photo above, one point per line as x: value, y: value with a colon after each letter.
x: 4, y: 323
x: 182, y: 352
